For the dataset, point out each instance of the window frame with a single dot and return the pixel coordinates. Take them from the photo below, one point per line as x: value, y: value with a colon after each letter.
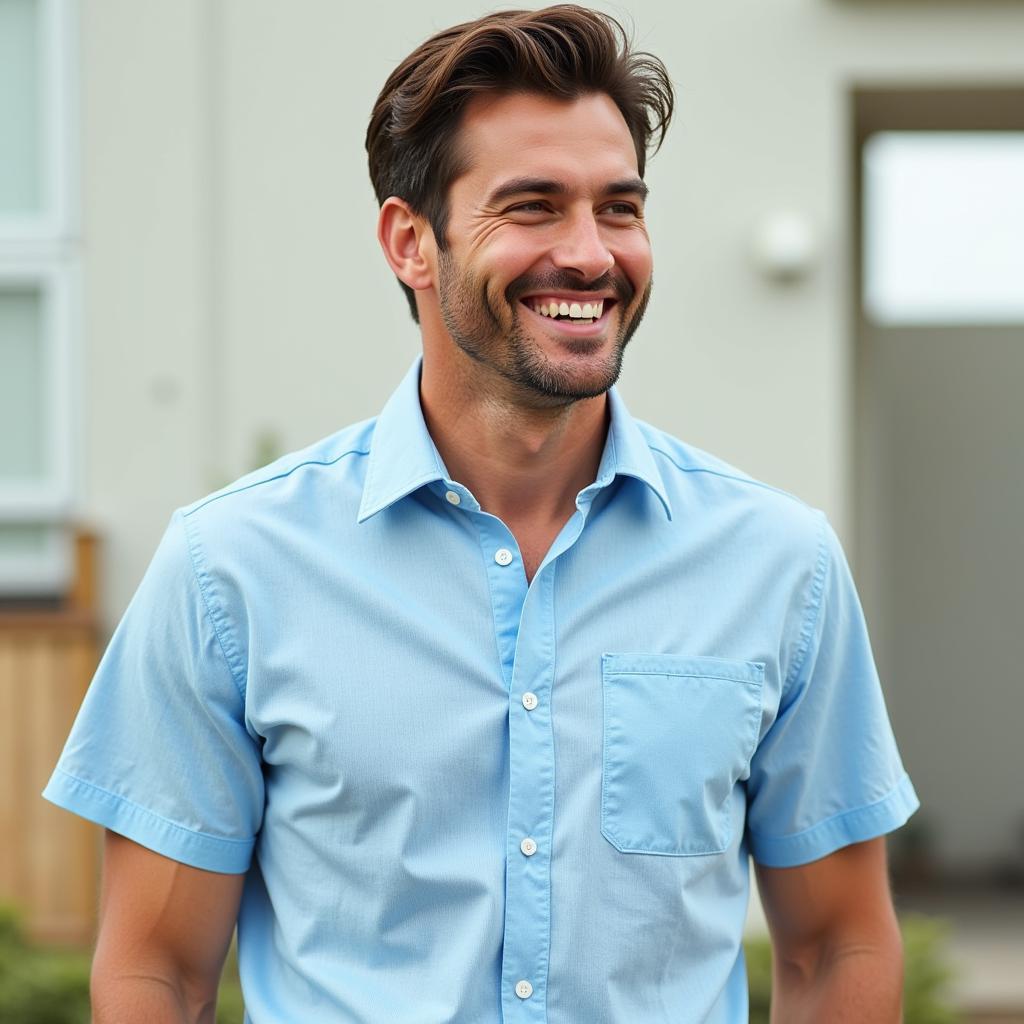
x: 49, y: 499
x: 57, y: 222
x: 42, y: 250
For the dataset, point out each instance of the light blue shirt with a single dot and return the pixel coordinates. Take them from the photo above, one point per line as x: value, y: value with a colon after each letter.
x: 462, y: 798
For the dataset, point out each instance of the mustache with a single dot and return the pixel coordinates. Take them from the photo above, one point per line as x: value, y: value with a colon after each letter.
x: 564, y: 281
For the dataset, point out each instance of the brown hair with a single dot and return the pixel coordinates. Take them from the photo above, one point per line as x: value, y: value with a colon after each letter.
x: 564, y: 51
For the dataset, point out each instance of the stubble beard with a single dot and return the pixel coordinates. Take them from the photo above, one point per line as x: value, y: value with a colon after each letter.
x: 504, y: 344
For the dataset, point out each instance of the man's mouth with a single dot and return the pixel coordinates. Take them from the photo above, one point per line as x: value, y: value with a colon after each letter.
x: 573, y: 311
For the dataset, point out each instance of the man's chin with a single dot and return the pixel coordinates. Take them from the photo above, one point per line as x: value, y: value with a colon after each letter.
x: 568, y: 379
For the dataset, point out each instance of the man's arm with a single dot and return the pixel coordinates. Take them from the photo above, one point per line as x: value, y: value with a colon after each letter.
x: 165, y: 929
x: 837, y: 954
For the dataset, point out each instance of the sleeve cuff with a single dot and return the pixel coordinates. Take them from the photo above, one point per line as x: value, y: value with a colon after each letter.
x: 212, y: 853
x: 854, y: 826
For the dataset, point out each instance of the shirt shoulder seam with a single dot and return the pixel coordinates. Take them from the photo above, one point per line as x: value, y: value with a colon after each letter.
x: 237, y: 675
x: 203, y: 502
x: 814, y: 605
x: 737, y: 478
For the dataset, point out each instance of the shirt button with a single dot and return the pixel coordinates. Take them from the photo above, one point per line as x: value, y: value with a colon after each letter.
x: 528, y: 846
x: 529, y: 701
x: 452, y: 497
x: 503, y: 556
x: 524, y: 989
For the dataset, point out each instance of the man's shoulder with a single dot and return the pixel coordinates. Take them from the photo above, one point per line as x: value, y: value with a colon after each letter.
x: 330, y: 462
x: 699, y: 481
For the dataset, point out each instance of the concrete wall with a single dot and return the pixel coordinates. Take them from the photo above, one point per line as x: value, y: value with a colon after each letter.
x: 233, y: 284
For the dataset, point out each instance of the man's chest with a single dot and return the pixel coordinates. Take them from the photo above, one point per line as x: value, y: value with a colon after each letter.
x: 415, y: 699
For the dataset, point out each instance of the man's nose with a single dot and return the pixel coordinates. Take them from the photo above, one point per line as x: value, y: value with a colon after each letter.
x: 583, y: 249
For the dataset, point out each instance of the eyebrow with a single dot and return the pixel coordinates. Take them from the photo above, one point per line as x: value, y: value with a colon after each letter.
x: 552, y: 187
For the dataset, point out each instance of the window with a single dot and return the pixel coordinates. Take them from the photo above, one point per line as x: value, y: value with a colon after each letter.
x: 944, y: 227
x: 39, y: 256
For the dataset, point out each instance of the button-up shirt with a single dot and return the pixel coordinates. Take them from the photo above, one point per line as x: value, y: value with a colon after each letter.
x: 462, y: 797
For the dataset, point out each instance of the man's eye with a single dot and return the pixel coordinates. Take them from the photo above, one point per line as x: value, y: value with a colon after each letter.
x: 627, y: 208
x: 534, y: 207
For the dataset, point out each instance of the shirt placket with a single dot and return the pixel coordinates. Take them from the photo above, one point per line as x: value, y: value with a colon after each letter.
x: 525, y: 633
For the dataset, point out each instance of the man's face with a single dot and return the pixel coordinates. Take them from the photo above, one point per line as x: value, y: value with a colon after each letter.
x: 549, y: 218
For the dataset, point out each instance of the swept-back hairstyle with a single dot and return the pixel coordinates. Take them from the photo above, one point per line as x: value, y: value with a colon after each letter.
x: 564, y: 51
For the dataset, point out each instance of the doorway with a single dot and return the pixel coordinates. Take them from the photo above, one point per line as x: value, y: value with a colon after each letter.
x: 939, y: 507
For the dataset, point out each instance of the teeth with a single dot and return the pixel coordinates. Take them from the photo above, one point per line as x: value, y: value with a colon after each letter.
x: 577, y: 311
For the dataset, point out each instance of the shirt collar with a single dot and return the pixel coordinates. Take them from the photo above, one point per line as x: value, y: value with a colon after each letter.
x: 403, y: 456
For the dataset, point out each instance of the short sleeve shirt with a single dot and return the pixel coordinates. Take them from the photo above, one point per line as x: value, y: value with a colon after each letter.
x: 459, y: 796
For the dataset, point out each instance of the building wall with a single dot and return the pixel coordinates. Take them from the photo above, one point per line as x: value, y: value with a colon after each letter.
x: 233, y: 284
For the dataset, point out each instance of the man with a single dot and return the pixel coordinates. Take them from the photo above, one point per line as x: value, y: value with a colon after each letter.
x: 474, y: 712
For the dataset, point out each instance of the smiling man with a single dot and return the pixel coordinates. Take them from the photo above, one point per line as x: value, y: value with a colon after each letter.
x: 477, y: 711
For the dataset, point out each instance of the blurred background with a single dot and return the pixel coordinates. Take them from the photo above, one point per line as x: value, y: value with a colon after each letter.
x: 190, y: 286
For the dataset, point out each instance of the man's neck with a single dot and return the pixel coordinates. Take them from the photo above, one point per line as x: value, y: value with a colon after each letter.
x: 524, y: 464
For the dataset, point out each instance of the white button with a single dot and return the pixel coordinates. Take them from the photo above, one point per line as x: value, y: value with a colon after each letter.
x: 528, y: 846
x: 452, y: 497
x: 524, y: 989
x: 529, y: 701
x: 503, y: 556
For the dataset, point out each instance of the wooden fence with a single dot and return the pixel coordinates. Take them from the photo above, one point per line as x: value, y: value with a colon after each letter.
x: 49, y: 859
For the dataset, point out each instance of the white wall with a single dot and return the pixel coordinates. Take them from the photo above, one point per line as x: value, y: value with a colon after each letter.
x: 233, y: 283
x: 145, y: 328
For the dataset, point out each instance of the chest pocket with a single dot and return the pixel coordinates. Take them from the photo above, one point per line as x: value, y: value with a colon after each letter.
x: 679, y: 732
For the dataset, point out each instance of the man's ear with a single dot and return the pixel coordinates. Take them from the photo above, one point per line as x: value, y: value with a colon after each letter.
x: 406, y: 239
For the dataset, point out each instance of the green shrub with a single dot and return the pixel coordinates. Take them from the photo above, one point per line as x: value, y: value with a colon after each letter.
x: 40, y: 986
x: 928, y: 972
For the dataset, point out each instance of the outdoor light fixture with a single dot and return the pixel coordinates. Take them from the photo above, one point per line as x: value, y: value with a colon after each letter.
x: 784, y: 246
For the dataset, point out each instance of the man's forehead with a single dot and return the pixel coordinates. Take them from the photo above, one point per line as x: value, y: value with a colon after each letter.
x: 528, y: 137
x: 528, y: 113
